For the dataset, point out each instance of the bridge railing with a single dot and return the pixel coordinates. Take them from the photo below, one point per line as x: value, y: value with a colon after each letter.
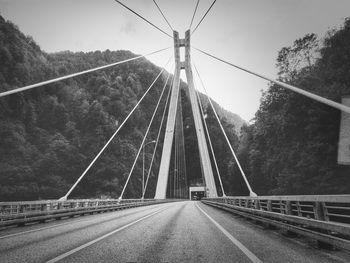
x: 325, y: 218
x: 17, y: 213
x: 334, y: 208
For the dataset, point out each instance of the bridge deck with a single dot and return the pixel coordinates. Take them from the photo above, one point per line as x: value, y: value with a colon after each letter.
x: 171, y: 232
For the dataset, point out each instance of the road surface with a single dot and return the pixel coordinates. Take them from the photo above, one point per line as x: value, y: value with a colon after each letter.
x: 174, y: 232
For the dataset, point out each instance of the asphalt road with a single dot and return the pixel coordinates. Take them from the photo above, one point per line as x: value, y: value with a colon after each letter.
x: 173, y: 232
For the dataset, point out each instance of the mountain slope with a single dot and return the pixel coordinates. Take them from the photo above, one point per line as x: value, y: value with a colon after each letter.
x: 50, y: 134
x: 230, y: 117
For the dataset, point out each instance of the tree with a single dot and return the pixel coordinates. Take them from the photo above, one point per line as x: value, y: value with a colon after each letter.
x: 301, y: 55
x: 291, y: 147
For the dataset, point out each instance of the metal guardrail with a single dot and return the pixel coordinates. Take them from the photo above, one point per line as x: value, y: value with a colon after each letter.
x: 20, y: 213
x: 325, y: 218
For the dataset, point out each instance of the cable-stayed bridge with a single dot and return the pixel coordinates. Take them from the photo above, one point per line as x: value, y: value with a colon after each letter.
x: 169, y: 228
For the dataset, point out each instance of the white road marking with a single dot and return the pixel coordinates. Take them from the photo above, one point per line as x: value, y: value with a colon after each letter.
x: 48, y: 227
x: 238, y: 244
x: 39, y: 229
x: 56, y: 259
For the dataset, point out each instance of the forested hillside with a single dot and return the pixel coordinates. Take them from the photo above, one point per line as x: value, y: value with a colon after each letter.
x: 292, y: 146
x: 49, y: 135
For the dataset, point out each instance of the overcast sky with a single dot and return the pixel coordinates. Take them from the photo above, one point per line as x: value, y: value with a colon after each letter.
x: 246, y: 32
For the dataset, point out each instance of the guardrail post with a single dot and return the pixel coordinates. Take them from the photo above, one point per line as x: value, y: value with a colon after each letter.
x: 298, y: 208
x: 288, y: 211
x: 256, y: 204
x: 325, y: 211
x: 269, y: 205
x: 22, y: 208
x: 43, y: 207
x: 289, y: 208
x: 269, y: 208
x: 282, y: 207
x: 318, y: 210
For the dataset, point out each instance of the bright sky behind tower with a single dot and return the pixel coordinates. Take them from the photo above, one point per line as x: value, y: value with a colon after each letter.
x: 245, y: 32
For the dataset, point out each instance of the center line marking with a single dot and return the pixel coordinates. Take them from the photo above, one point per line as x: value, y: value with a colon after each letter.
x: 238, y: 244
x: 56, y: 259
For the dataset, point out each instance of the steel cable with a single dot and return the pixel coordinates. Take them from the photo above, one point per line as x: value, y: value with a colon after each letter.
x: 210, y: 142
x: 310, y: 95
x: 143, y: 18
x: 251, y: 193
x: 6, y: 93
x: 157, y: 140
x: 166, y: 20
x: 145, y: 136
x: 194, y: 30
x: 194, y: 13
x: 112, y: 137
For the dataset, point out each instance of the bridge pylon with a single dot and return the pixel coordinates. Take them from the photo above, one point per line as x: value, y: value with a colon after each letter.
x: 205, y: 162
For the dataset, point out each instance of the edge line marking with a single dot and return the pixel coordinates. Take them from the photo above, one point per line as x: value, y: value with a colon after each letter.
x: 238, y: 244
x: 70, y: 252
